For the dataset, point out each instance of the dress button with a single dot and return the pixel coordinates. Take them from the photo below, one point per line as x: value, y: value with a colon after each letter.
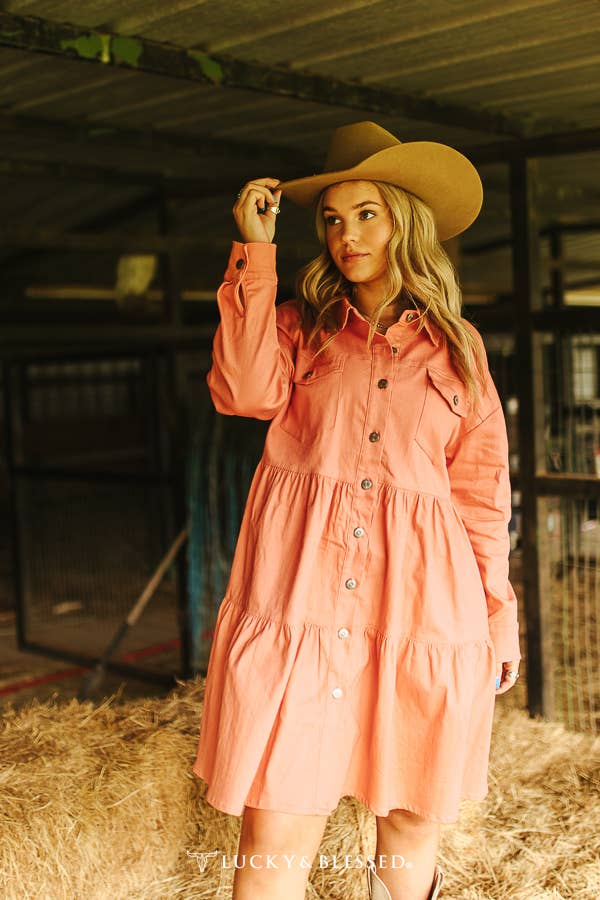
x: 343, y: 633
x: 337, y: 693
x: 394, y: 349
x: 382, y: 383
x: 308, y: 374
x: 366, y: 483
x: 351, y: 584
x: 239, y: 264
x: 374, y: 436
x: 358, y: 532
x: 455, y: 399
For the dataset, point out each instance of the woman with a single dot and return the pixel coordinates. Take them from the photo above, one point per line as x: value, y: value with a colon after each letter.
x: 369, y: 608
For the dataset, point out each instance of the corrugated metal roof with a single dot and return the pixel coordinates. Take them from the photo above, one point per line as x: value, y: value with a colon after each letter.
x: 535, y: 61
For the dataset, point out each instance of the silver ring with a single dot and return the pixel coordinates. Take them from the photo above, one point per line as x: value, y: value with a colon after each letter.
x: 514, y: 675
x: 239, y: 194
x: 275, y: 210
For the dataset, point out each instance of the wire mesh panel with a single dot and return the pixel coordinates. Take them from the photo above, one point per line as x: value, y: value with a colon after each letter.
x: 90, y: 548
x: 570, y: 522
x: 572, y: 402
x: 573, y: 548
x: 92, y: 508
x: 568, y: 537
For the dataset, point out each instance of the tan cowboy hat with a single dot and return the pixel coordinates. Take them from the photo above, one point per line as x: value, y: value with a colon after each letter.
x: 436, y: 173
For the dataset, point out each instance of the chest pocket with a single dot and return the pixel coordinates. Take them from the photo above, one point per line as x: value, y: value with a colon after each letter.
x: 315, y: 399
x: 446, y: 405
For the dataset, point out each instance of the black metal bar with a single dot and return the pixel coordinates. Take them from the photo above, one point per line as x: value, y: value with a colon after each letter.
x: 143, y: 55
x: 180, y: 511
x: 507, y: 241
x: 569, y: 318
x: 553, y: 143
x: 60, y: 474
x: 527, y: 297
x: 177, y: 423
x: 85, y: 354
x: 102, y: 337
x: 119, y: 668
x: 152, y: 419
x: 565, y: 485
x: 13, y: 500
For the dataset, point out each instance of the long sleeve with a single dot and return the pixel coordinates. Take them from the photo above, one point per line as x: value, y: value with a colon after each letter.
x: 253, y: 352
x: 481, y: 494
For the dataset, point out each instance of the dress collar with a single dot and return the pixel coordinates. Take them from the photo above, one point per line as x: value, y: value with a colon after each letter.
x: 346, y: 308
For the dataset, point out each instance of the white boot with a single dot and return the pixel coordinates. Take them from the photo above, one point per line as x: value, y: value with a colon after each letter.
x: 437, y: 884
x: 378, y: 890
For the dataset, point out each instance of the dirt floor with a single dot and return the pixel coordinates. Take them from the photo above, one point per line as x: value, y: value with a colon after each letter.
x: 26, y: 675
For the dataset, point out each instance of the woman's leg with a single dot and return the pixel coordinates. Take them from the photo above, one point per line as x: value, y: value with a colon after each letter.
x: 265, y: 833
x: 406, y: 835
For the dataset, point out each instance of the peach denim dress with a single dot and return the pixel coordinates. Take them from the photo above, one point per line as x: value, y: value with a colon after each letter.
x: 355, y: 648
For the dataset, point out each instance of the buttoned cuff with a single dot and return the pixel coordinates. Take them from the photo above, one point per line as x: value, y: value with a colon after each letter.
x: 254, y: 259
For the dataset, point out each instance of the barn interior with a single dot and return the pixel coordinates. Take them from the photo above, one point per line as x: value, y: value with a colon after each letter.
x: 127, y: 130
x: 127, y: 127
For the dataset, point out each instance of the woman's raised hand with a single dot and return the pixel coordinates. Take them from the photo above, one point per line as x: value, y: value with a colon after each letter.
x: 254, y: 196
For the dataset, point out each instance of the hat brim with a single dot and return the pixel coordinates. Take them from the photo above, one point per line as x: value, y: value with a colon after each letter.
x: 439, y: 175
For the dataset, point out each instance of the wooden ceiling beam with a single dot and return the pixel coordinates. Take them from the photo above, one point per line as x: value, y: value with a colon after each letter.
x: 556, y: 143
x: 125, y: 242
x: 141, y: 205
x: 173, y: 146
x: 19, y: 339
x: 501, y: 243
x: 55, y: 239
x: 107, y: 48
x: 57, y: 170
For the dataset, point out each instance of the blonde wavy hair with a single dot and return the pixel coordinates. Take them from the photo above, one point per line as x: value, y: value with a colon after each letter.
x: 419, y: 269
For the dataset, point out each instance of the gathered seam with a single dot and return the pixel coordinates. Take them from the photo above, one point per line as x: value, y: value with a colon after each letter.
x: 382, y: 484
x: 365, y: 629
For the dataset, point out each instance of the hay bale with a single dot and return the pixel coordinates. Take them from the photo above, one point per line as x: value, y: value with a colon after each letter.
x: 100, y: 802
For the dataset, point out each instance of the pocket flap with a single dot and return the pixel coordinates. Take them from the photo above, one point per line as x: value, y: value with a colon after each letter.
x: 307, y: 372
x: 452, y: 390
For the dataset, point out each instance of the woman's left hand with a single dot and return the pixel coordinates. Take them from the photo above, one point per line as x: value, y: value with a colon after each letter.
x: 506, y: 681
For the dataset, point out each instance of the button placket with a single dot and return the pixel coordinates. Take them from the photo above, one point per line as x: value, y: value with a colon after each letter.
x: 365, y: 492
x: 361, y: 514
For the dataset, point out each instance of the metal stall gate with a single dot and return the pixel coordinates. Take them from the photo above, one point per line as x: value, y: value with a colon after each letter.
x: 563, y: 623
x: 93, y: 507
